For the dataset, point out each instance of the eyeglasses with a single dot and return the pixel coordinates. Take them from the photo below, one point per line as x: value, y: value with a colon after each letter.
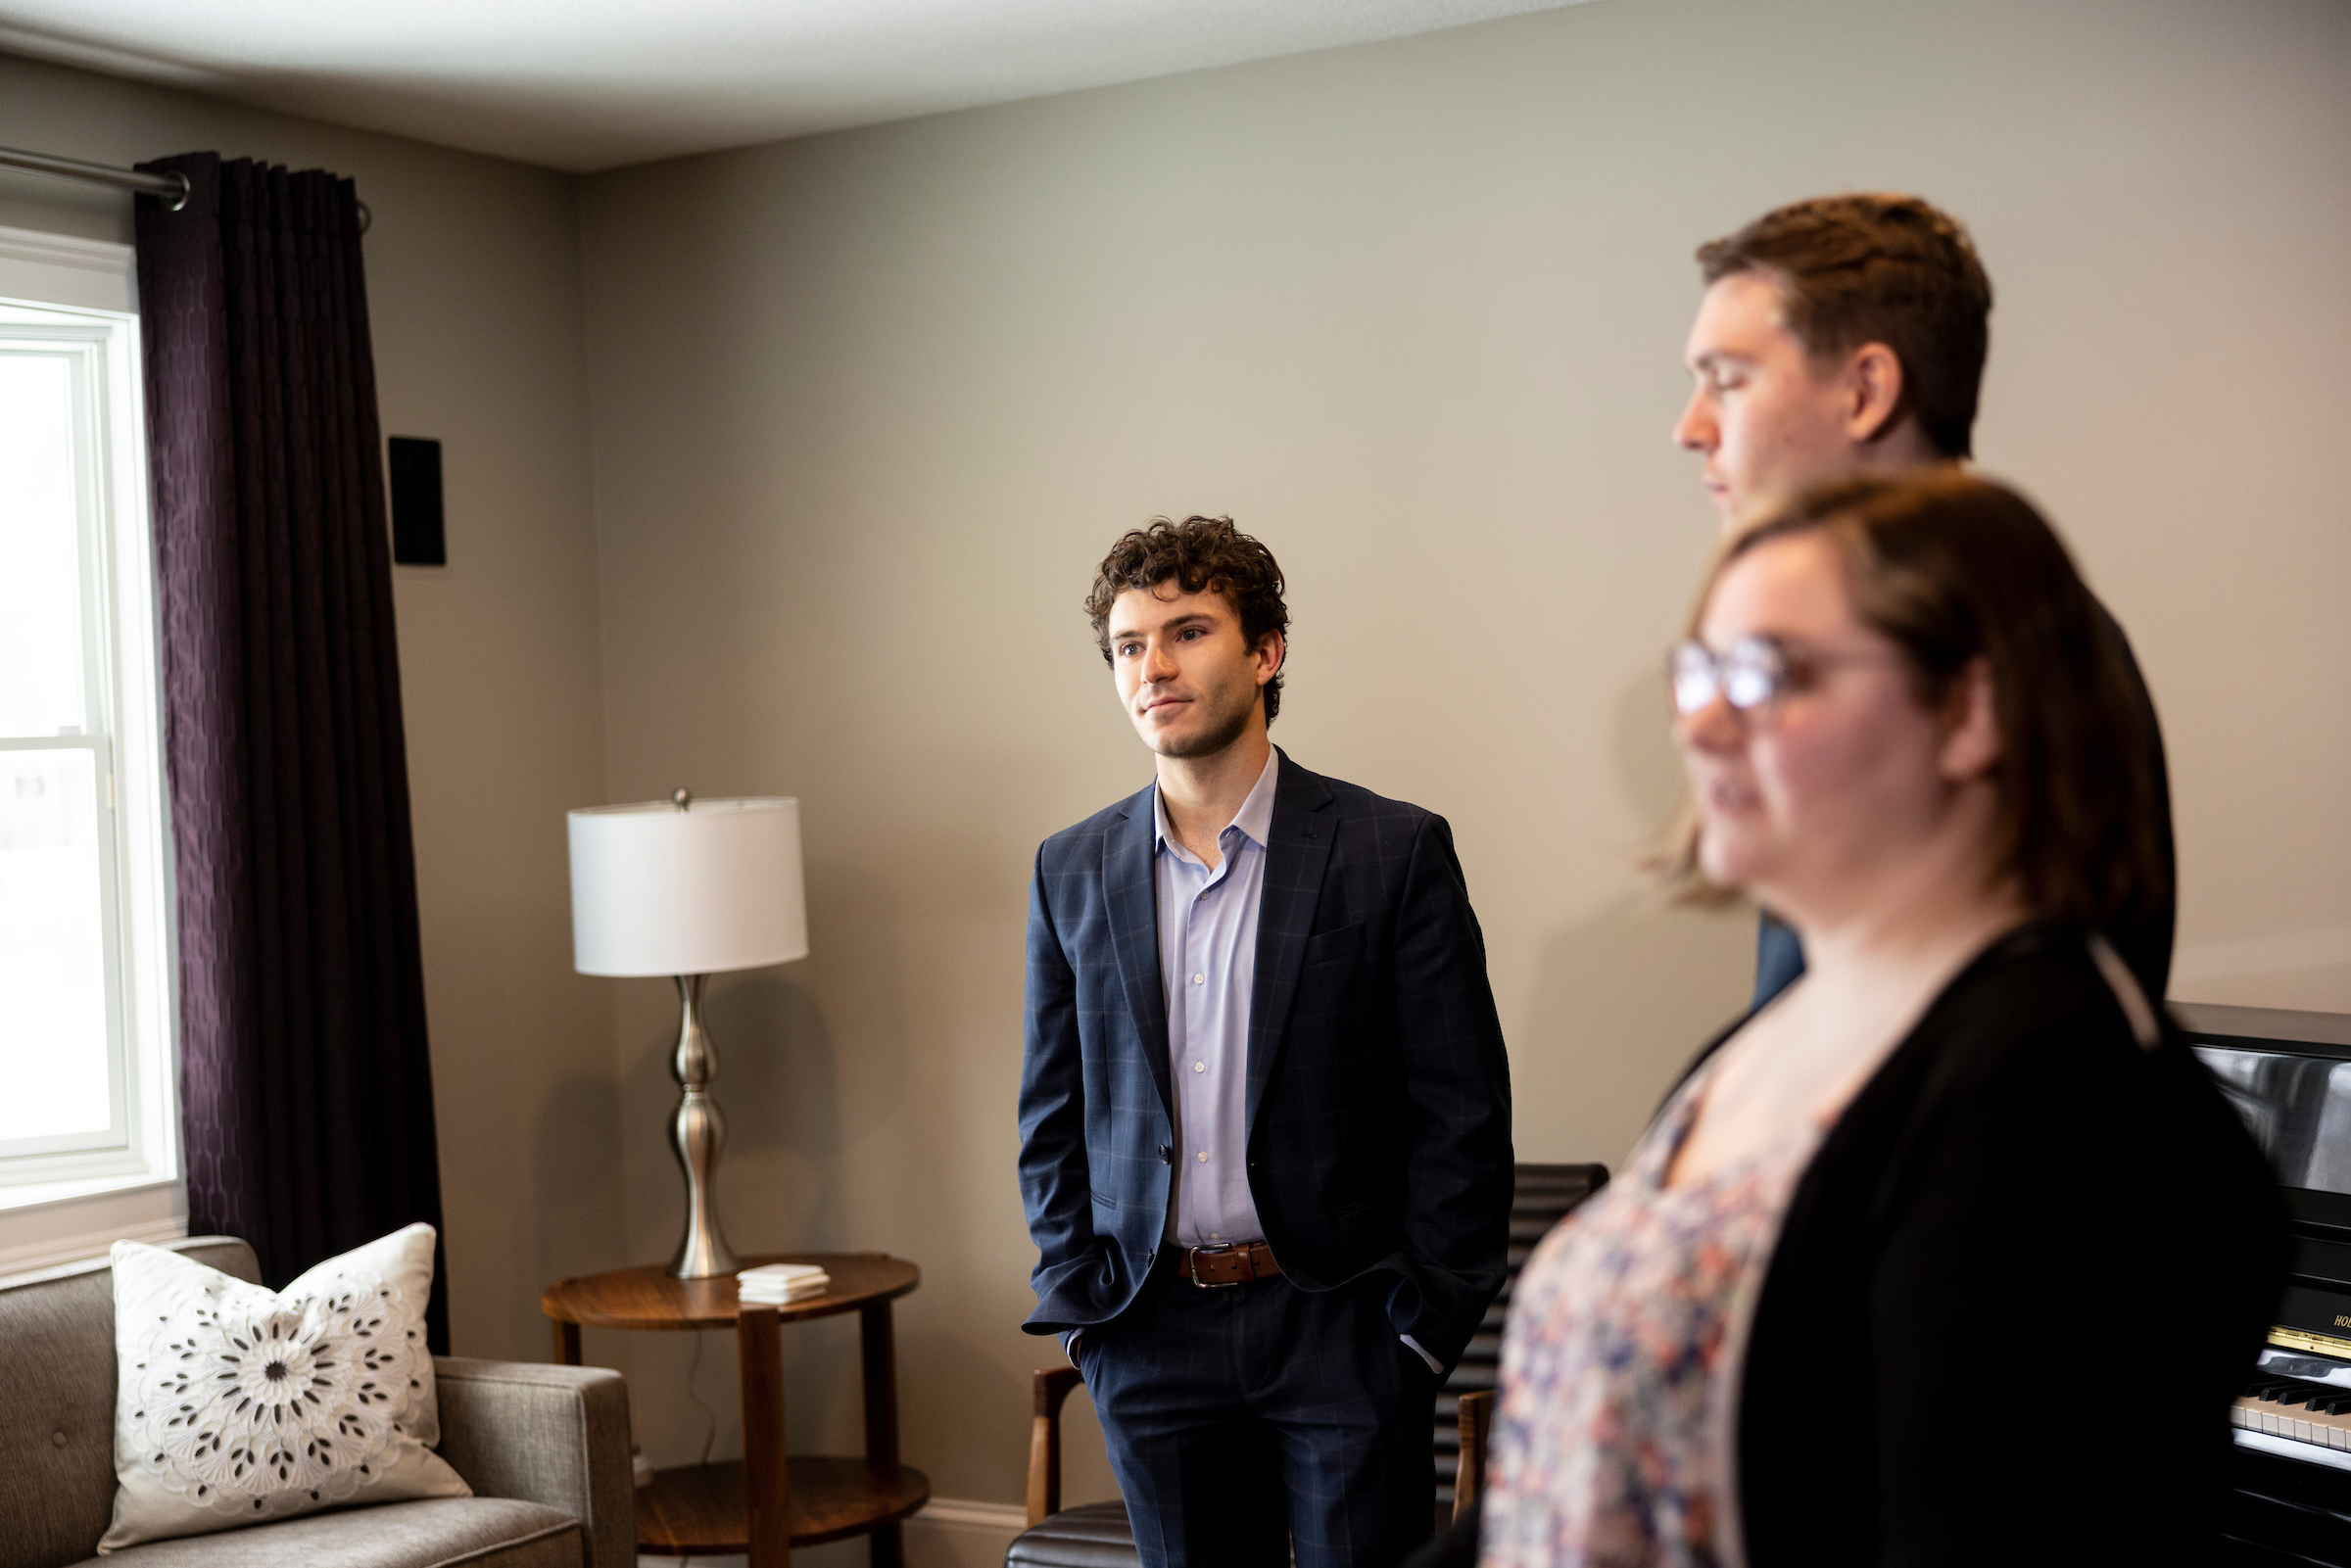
x: 1751, y: 675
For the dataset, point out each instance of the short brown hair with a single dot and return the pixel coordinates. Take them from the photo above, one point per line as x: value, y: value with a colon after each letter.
x: 1891, y: 269
x: 1953, y: 569
x: 1197, y: 554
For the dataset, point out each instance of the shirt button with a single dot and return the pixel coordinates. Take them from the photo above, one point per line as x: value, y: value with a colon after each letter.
x: 1199, y: 1066
x: 1215, y: 1235
x: 1204, y: 1157
x: 1199, y: 979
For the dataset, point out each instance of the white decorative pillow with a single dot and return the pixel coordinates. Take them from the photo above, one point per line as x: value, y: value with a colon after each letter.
x: 236, y: 1405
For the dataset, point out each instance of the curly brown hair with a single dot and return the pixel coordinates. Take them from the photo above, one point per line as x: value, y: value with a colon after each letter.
x: 1197, y: 554
x: 1891, y: 269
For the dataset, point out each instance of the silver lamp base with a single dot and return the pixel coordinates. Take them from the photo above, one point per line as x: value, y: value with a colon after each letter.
x: 698, y: 1133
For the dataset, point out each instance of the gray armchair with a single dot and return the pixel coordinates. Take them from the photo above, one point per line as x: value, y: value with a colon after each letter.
x: 545, y: 1450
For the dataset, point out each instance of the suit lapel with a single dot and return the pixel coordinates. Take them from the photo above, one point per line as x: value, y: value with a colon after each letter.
x: 1129, y: 893
x: 1297, y: 849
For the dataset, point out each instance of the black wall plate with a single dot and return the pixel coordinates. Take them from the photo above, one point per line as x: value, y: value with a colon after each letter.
x: 417, y: 539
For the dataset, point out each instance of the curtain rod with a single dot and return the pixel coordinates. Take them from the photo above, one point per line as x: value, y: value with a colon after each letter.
x: 173, y: 187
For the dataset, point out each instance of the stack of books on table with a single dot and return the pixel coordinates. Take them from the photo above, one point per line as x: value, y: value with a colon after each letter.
x: 774, y: 1284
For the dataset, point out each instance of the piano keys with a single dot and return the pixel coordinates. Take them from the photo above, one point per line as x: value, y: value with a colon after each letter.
x: 2311, y: 1414
x: 2288, y: 1075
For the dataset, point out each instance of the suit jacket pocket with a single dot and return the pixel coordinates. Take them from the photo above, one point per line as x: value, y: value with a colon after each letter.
x: 1344, y: 942
x: 1103, y: 1200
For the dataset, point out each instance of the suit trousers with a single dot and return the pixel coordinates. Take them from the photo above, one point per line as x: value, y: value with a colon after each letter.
x: 1244, y: 1420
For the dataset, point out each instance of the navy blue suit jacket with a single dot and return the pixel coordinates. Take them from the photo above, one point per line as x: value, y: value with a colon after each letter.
x: 1378, y: 1096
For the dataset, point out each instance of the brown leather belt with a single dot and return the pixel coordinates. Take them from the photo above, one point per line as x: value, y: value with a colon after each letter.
x: 1210, y: 1266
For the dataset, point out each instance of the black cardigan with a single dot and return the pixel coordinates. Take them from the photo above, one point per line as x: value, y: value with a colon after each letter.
x: 2022, y: 1219
x: 2022, y: 1227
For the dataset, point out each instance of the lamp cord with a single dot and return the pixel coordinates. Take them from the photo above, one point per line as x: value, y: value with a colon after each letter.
x: 709, y: 1435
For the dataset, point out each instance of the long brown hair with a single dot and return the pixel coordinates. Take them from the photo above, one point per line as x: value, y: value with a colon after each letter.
x: 1952, y: 569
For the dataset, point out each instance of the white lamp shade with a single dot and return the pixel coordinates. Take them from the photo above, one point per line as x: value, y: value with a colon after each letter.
x: 655, y: 891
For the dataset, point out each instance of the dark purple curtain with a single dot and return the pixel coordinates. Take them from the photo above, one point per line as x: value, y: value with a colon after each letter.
x: 306, y: 1093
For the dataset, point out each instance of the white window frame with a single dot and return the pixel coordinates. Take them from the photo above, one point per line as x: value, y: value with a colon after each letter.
x: 81, y: 296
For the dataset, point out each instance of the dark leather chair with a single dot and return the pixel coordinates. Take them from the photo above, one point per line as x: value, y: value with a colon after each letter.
x: 1096, y: 1535
x: 1542, y: 1197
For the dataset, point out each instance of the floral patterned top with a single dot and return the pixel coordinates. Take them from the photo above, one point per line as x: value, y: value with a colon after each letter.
x: 1619, y: 1369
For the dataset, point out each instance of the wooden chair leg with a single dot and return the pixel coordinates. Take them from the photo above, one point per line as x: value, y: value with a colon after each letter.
x: 1477, y: 1420
x: 1052, y: 1388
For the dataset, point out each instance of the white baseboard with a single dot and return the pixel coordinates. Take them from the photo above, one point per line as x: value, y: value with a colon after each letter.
x: 948, y: 1533
x: 93, y: 1244
x: 953, y: 1532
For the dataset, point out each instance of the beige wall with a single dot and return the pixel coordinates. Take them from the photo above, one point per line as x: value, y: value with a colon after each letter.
x: 474, y: 295
x: 868, y: 406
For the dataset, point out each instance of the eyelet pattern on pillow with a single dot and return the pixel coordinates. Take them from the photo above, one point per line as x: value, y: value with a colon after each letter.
x: 238, y: 1404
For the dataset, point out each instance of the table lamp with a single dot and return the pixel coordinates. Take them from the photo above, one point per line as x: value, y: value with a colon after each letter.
x: 689, y: 888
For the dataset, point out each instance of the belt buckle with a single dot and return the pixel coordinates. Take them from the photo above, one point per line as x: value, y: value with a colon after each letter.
x: 1192, y: 1259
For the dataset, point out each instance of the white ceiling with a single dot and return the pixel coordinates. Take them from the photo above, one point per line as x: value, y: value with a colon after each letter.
x: 590, y: 84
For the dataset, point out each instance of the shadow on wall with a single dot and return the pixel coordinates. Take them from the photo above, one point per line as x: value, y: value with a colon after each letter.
x: 2312, y: 988
x: 575, y: 1170
x: 782, y: 1182
x: 1622, y: 1002
x: 992, y: 1413
x: 1648, y: 764
x: 575, y: 1175
x: 1625, y: 997
x: 780, y: 1176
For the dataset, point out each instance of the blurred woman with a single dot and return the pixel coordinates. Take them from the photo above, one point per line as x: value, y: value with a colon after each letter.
x: 1951, y: 1253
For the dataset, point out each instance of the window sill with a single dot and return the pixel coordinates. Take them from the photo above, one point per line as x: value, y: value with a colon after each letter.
x: 41, y: 1193
x: 60, y: 1228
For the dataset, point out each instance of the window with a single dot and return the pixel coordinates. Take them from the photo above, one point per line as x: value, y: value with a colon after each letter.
x: 86, y: 1062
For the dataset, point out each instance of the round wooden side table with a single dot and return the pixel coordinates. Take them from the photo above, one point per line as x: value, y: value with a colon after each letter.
x: 764, y: 1505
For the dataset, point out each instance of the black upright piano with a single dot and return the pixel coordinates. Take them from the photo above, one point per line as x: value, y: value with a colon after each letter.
x: 2289, y: 1077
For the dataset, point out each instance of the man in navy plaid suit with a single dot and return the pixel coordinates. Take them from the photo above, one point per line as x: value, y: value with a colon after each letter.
x: 1265, y: 1110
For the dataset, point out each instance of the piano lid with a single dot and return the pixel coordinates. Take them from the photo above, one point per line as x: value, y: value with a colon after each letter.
x: 2288, y: 1074
x: 2289, y: 1077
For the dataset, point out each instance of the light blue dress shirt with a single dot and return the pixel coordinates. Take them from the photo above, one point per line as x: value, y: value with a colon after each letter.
x: 1208, y: 970
x: 1207, y: 967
